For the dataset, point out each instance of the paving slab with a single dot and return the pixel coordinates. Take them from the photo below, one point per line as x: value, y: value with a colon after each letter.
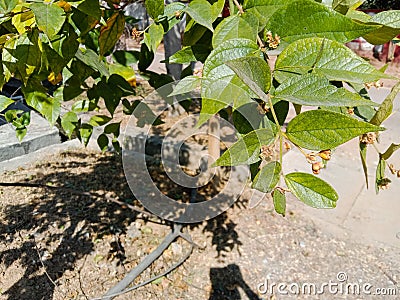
x: 40, y: 134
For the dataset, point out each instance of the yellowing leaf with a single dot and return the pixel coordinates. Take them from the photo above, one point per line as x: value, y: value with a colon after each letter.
x: 111, y: 32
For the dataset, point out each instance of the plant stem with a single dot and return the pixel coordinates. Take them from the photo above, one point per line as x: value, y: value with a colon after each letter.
x: 281, y: 134
x: 240, y: 8
x: 376, y: 148
x: 260, y: 42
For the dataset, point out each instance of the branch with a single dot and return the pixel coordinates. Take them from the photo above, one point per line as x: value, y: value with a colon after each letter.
x: 143, y: 265
x: 169, y: 270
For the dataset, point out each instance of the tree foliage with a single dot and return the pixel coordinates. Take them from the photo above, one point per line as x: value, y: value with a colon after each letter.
x: 381, y: 4
x: 67, y: 42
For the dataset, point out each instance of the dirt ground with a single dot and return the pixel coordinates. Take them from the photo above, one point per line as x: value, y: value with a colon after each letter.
x: 58, y: 242
x: 55, y: 244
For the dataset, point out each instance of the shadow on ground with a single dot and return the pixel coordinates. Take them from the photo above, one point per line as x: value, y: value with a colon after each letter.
x: 72, y: 223
x: 226, y: 283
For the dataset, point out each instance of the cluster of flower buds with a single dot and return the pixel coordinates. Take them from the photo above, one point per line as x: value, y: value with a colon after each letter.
x: 368, y: 138
x: 262, y: 108
x: 198, y: 72
x: 384, y: 183
x: 271, y: 41
x: 394, y: 171
x: 316, y: 166
x: 376, y: 84
x: 178, y: 14
x: 136, y: 33
x: 267, y: 152
x: 325, y: 154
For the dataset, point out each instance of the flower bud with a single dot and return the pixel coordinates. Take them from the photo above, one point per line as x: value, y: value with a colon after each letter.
x: 317, y: 166
x: 325, y: 154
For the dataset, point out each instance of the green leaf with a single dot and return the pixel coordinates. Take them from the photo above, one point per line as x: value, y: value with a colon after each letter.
x: 281, y: 110
x: 363, y: 155
x: 20, y: 122
x: 190, y: 54
x: 254, y: 72
x: 83, y: 106
x: 305, y: 18
x: 5, y: 102
x: 84, y: 133
x: 108, y: 93
x: 49, y: 107
x: 169, y: 15
x: 126, y: 58
x: 200, y: 11
x: 23, y: 120
x: 116, y: 145
x: 113, y: 128
x: 343, y: 6
x: 49, y: 17
x: 324, y: 57
x: 90, y: 58
x: 69, y: 122
x: 23, y: 19
x: 316, y: 90
x: 311, y: 190
x: 268, y: 177
x: 391, y: 21
x: 220, y: 83
x: 111, y: 32
x: 381, y: 181
x: 128, y: 77
x: 193, y: 33
x: 20, y: 133
x: 102, y: 141
x: 247, y: 149
x: 7, y: 5
x: 28, y: 54
x: 234, y: 27
x: 154, y: 8
x: 99, y: 120
x: 217, y: 94
x: 145, y: 58
x: 12, y: 114
x: 264, y: 9
x: 90, y: 8
x: 186, y: 85
x: 279, y: 199
x: 321, y: 129
x: 67, y: 43
x: 216, y: 9
x: 9, y: 61
x: 386, y: 108
x: 209, y: 107
x: 215, y: 68
x: 388, y: 153
x: 83, y: 22
x: 153, y: 37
